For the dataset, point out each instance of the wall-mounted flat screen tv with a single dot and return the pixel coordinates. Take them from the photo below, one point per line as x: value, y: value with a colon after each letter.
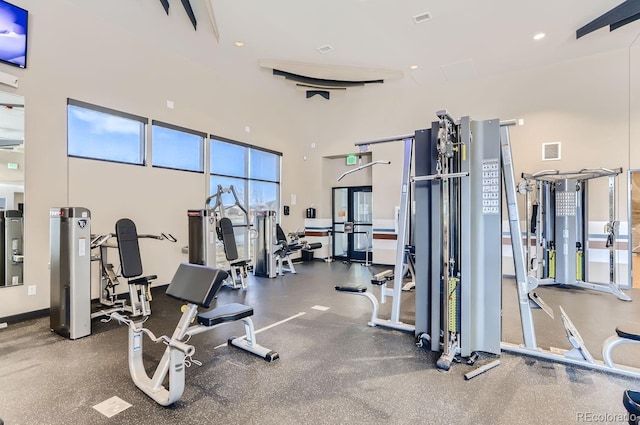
x: 13, y: 34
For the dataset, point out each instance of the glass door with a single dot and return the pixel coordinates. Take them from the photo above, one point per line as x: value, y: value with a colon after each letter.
x: 340, y: 214
x: 362, y: 237
x: 352, y: 205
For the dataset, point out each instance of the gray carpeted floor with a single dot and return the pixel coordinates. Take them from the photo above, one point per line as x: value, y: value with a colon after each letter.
x: 333, y: 368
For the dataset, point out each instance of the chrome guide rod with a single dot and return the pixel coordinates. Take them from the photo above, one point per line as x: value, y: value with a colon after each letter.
x: 403, y: 222
x: 526, y: 317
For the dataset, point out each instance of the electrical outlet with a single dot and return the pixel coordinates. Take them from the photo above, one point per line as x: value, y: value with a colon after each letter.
x: 31, y: 290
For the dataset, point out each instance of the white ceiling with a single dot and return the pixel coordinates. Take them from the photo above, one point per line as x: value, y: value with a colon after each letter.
x: 463, y: 39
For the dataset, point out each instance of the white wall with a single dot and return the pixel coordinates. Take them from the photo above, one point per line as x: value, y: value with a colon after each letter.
x: 634, y: 107
x: 80, y: 50
x: 588, y: 105
x: 92, y: 51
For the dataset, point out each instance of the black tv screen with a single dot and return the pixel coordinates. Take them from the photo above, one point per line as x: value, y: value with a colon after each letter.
x: 13, y: 34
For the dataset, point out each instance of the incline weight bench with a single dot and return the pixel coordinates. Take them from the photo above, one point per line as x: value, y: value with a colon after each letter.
x: 197, y: 286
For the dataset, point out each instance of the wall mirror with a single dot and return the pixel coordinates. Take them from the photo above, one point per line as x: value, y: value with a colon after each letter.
x: 634, y: 227
x: 11, y: 189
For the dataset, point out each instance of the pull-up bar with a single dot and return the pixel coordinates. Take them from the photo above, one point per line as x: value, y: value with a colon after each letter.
x: 370, y: 164
x: 387, y: 140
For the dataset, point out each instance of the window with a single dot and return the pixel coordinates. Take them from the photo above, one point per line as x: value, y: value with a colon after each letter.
x: 176, y: 148
x: 263, y: 196
x: 234, y: 213
x: 228, y: 159
x: 264, y: 165
x: 100, y: 133
x: 255, y: 176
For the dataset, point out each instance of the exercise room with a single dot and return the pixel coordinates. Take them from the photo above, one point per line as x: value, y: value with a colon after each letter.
x: 349, y: 212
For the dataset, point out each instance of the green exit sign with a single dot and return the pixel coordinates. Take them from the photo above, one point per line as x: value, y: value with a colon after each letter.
x: 352, y: 160
x: 12, y: 166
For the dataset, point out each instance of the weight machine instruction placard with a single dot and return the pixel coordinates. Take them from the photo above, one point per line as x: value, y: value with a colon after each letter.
x: 491, y: 186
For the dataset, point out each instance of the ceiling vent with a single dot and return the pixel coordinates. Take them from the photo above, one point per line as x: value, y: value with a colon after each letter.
x: 423, y: 17
x: 325, y: 49
x: 551, y: 151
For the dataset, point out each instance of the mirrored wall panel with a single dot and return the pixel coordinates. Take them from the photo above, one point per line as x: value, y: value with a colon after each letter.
x: 11, y: 189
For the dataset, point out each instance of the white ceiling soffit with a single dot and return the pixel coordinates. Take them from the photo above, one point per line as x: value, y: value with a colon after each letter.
x: 212, y: 19
x: 459, y: 71
x: 332, y: 72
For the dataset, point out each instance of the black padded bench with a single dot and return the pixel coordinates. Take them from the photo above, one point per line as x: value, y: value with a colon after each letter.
x: 238, y: 266
x: 351, y: 288
x: 198, y: 285
x: 226, y: 313
x: 131, y: 267
x: 631, y: 402
x: 628, y: 333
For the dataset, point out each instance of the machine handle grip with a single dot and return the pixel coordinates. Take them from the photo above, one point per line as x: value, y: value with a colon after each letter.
x: 187, y: 349
x: 534, y: 215
x: 169, y: 237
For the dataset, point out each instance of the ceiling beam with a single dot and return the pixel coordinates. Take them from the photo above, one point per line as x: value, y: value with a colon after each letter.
x: 620, y: 15
x: 322, y: 93
x: 624, y: 22
x: 165, y: 4
x: 212, y: 19
x: 321, y: 82
x: 189, y: 10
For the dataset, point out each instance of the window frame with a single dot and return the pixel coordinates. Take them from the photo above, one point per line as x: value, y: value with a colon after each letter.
x: 246, y: 181
x: 104, y: 110
x: 202, y: 135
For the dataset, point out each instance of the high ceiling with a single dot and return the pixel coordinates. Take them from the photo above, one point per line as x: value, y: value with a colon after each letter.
x: 461, y: 40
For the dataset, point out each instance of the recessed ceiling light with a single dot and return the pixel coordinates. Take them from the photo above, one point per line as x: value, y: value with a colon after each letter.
x: 238, y: 43
x: 413, y: 67
x: 539, y: 36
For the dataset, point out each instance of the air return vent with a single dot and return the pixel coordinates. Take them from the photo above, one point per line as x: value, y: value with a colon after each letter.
x: 551, y: 151
x: 423, y: 17
x: 325, y: 49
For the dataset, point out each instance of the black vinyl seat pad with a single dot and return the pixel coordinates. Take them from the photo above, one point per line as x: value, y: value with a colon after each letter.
x: 146, y: 280
x: 228, y: 239
x: 351, y: 288
x: 628, y: 332
x: 226, y: 313
x: 128, y: 248
x: 196, y: 284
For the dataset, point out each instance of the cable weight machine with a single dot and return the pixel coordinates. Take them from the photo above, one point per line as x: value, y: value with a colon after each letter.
x: 560, y: 224
x: 458, y: 238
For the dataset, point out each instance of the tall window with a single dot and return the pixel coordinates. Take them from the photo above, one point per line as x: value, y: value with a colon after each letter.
x: 264, y: 181
x: 255, y: 176
x: 96, y: 132
x: 176, y: 147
